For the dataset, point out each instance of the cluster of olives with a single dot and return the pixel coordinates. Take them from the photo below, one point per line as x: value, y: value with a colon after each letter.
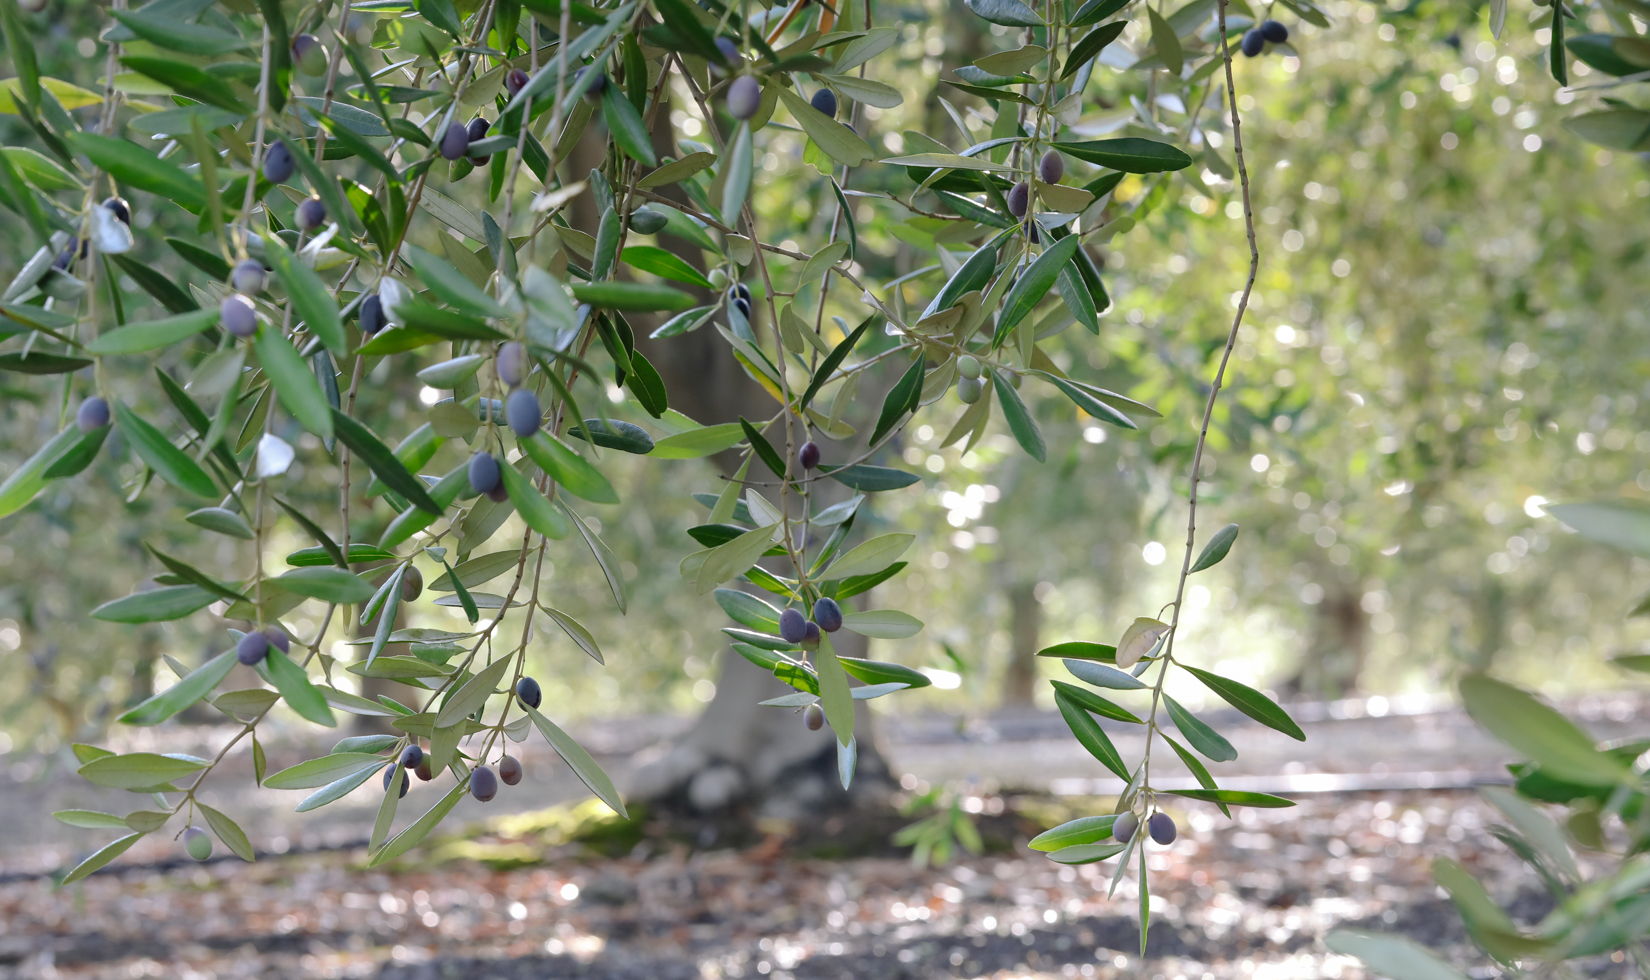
x: 1256, y: 39
x: 739, y: 296
x: 254, y: 646
x: 795, y: 628
x: 1160, y: 825
x: 522, y: 413
x: 455, y: 142
x: 278, y: 169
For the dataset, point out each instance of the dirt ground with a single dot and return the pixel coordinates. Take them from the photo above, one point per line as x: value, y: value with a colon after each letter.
x: 1247, y: 899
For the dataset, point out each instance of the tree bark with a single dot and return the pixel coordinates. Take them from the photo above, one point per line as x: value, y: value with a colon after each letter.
x: 1338, y: 647
x: 1025, y: 625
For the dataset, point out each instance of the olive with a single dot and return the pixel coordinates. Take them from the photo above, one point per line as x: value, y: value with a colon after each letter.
x: 648, y: 222
x: 423, y: 771
x: 1051, y: 167
x: 478, y: 129
x: 1125, y: 826
x: 278, y: 165
x: 598, y: 85
x: 514, y: 81
x: 412, y: 584
x: 252, y: 648
x: 92, y: 415
x: 312, y: 214
x: 828, y: 614
x: 825, y: 101
x: 1162, y: 828
x: 1273, y: 31
x: 249, y: 277
x: 372, y: 315
x: 808, y: 455
x: 1254, y: 42
x: 509, y: 770
x: 122, y: 211
x: 309, y: 54
x: 1019, y: 199
x: 522, y: 411
x: 412, y: 756
x: 968, y: 366
x: 793, y: 626
x: 455, y: 141
x: 814, y: 717
x: 498, y: 494
x: 512, y: 363
x: 969, y: 390
x: 810, y: 638
x: 484, y: 473
x: 483, y: 784
x: 197, y: 843
x: 238, y: 316
x: 729, y: 50
x: 744, y: 97
x: 389, y: 774
x: 528, y: 691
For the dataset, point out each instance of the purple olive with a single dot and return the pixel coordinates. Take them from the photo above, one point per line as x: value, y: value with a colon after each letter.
x: 810, y: 638
x: 1019, y: 199
x: 249, y: 277
x: 455, y: 142
x: 1051, y: 167
x: 278, y: 638
x: 828, y: 615
x: 498, y: 494
x: 483, y: 784
x: 312, y: 214
x: 1273, y: 31
x: 309, y: 54
x: 744, y: 97
x: 1254, y: 42
x: 1125, y: 826
x: 512, y: 363
x: 478, y: 129
x: 808, y: 455
x: 528, y: 691
x: 411, y: 756
x: 523, y: 413
x: 92, y: 415
x: 423, y: 770
x: 372, y: 315
x: 252, y: 648
x: 278, y: 165
x: 1162, y: 828
x: 729, y: 49
x: 514, y: 81
x: 598, y: 84
x: 124, y: 213
x: 814, y: 717
x: 389, y: 774
x: 793, y: 626
x: 238, y: 315
x: 509, y: 770
x: 825, y: 101
x: 412, y: 584
x: 484, y: 472
x: 744, y: 308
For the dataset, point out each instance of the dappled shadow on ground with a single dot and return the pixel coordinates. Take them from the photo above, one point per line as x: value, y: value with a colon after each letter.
x: 1232, y: 899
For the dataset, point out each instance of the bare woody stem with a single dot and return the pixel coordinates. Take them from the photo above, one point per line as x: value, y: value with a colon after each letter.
x: 1220, y: 372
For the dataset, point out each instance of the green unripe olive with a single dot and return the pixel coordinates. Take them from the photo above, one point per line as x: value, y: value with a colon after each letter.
x: 969, y: 366
x: 718, y: 278
x: 969, y: 390
x: 412, y: 584
x: 198, y: 843
x: 647, y: 221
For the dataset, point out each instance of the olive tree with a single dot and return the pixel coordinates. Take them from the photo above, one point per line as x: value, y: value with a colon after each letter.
x: 309, y: 160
